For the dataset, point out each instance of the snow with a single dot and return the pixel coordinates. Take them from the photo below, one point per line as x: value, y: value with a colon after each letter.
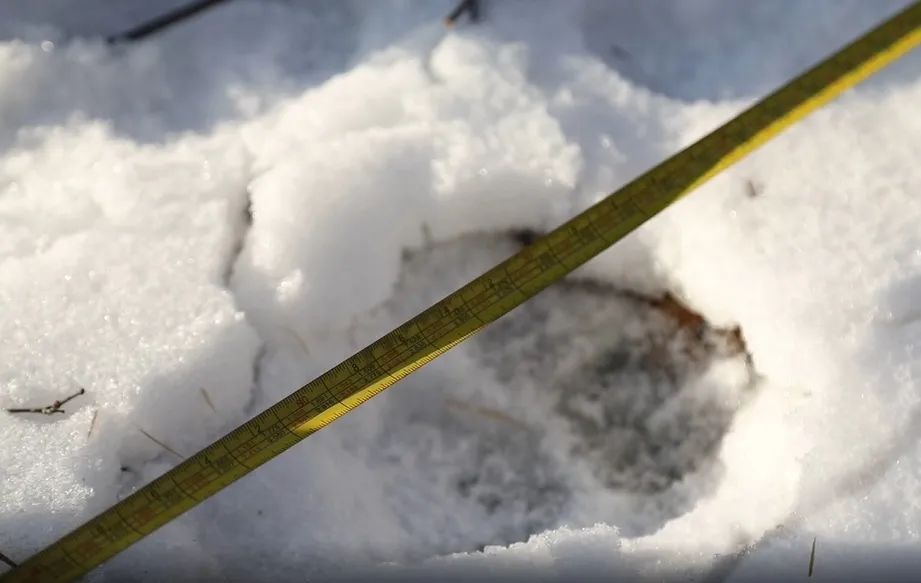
x: 118, y: 269
x: 194, y: 226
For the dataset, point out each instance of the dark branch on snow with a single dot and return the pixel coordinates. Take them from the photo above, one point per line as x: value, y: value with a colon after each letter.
x: 50, y: 409
x: 471, y: 7
x: 163, y: 21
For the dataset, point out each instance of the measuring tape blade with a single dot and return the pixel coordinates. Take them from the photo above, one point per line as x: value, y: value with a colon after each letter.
x: 453, y: 319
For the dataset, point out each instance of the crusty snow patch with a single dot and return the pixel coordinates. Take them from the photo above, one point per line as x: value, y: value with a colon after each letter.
x: 193, y: 227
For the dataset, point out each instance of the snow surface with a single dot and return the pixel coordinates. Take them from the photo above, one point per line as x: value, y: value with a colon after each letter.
x: 193, y: 226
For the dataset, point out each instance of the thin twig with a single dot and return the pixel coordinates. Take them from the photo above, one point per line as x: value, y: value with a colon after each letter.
x: 92, y: 423
x: 812, y: 557
x: 207, y: 398
x: 163, y: 21
x: 472, y: 7
x: 161, y: 444
x: 50, y: 409
x: 8, y: 561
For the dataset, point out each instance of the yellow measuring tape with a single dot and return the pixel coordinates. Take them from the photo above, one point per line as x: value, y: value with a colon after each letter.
x: 465, y: 311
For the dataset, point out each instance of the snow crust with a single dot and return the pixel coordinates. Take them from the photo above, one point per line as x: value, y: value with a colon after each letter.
x: 194, y: 226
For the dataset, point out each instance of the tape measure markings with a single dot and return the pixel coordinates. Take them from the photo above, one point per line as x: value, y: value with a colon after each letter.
x: 450, y: 321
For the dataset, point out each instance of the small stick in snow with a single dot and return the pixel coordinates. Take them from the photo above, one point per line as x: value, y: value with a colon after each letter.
x: 207, y: 398
x: 164, y: 21
x: 161, y: 444
x: 50, y: 409
x: 8, y: 561
x: 92, y: 424
x: 471, y: 7
x: 812, y: 557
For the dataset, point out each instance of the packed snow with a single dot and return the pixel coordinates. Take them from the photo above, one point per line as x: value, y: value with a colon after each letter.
x: 193, y: 226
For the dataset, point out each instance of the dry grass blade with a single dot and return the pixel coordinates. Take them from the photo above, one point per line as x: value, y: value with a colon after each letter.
x: 812, y: 557
x: 161, y: 444
x: 207, y: 398
x: 487, y: 412
x: 92, y: 424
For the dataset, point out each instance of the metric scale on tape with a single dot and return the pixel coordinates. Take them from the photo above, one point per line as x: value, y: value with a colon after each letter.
x: 465, y: 311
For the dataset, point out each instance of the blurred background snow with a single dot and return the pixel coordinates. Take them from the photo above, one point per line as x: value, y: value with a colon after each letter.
x: 193, y: 226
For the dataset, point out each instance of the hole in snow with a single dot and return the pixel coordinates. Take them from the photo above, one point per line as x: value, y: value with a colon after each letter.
x: 587, y: 404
